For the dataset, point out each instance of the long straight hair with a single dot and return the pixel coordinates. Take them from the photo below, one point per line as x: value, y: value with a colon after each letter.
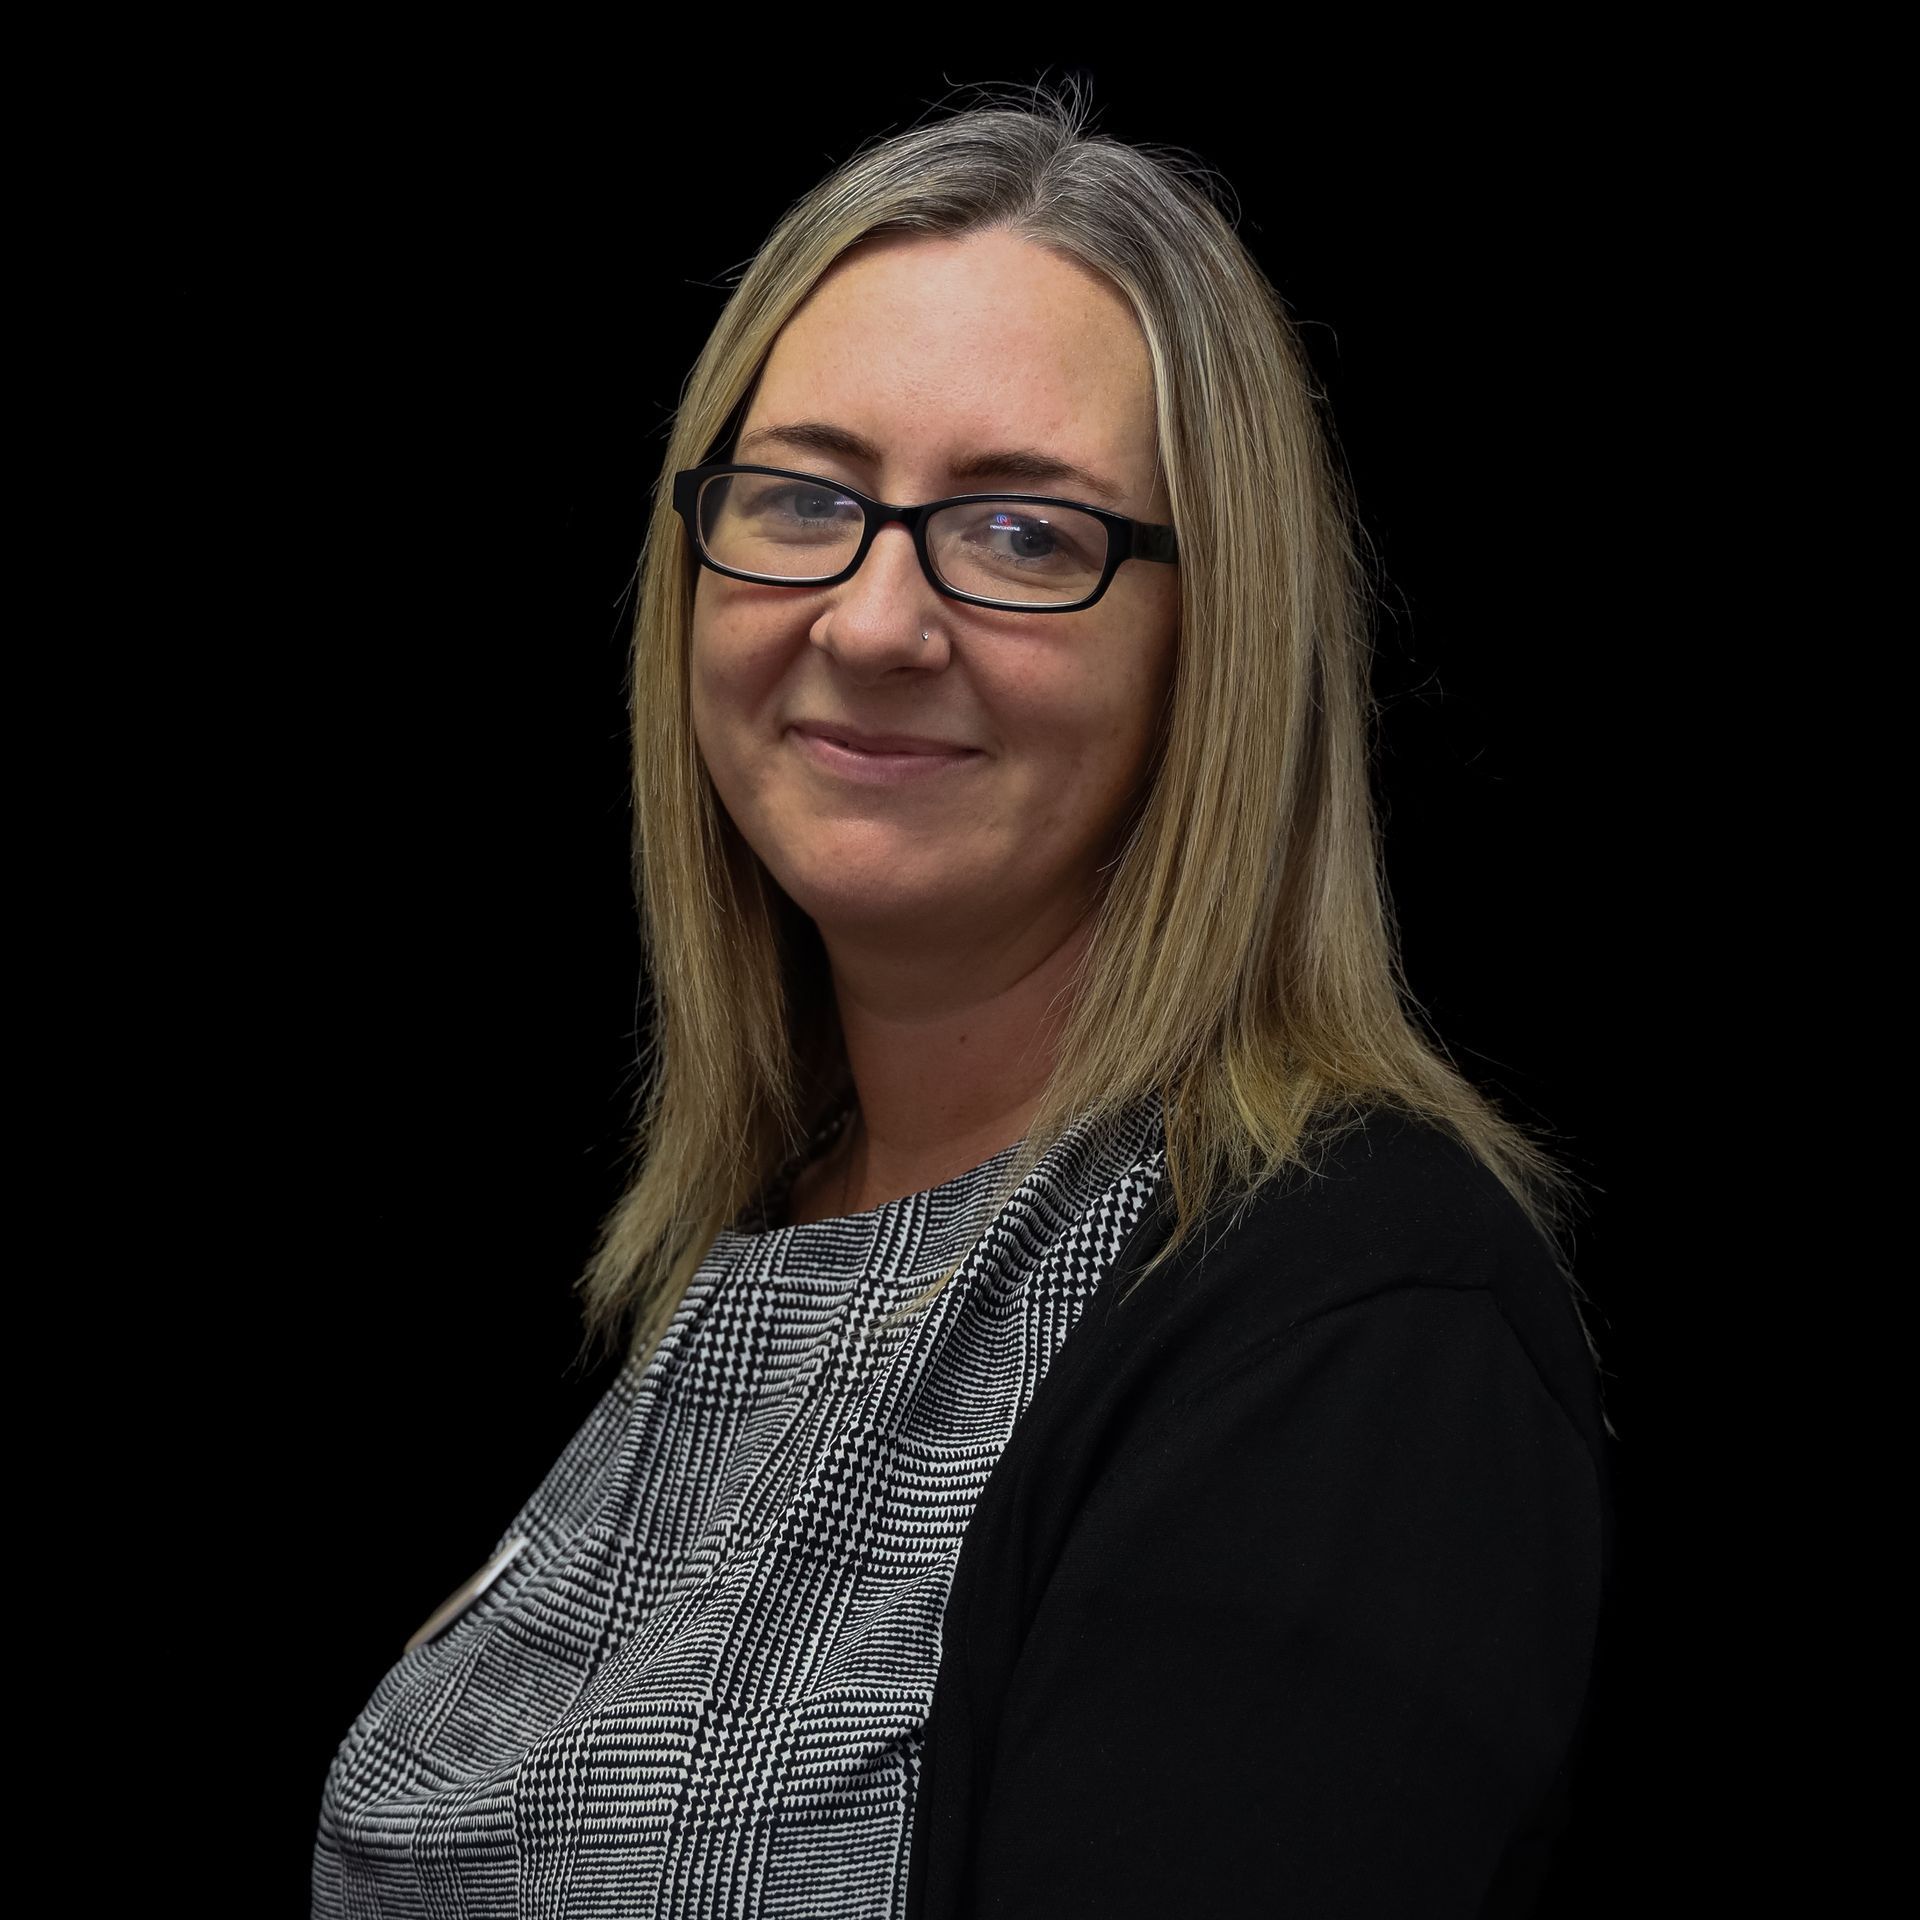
x: 1244, y: 965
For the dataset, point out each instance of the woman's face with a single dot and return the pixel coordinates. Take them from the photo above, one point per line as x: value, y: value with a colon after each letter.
x: 932, y: 351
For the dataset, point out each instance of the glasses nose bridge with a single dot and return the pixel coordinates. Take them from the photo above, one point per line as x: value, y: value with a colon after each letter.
x: 882, y: 514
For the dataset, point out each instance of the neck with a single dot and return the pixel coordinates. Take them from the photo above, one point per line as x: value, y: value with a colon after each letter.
x: 948, y: 1067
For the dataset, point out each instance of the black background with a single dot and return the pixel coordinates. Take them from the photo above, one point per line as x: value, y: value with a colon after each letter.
x: 412, y: 330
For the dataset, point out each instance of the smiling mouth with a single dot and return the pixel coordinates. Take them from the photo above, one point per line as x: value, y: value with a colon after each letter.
x: 853, y: 746
x: 904, y: 747
x: 835, y: 755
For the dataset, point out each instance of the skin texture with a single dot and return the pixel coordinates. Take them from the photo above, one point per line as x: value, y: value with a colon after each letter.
x: 952, y: 908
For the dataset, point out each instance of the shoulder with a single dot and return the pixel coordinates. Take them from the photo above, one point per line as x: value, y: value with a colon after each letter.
x: 1386, y: 1198
x: 1390, y: 1217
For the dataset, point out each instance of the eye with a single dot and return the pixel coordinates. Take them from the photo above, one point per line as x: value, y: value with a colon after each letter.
x: 1029, y: 537
x: 1026, y: 539
x: 801, y: 500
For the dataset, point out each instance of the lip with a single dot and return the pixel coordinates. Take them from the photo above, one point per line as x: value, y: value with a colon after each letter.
x: 898, y: 758
x: 877, y: 742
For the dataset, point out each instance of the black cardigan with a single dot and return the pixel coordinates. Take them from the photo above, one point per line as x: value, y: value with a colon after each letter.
x: 1284, y: 1595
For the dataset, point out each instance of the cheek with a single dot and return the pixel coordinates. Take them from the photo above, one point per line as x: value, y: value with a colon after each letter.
x: 1128, y: 748
x: 1081, y: 764
x: 702, y: 684
x: 1147, y: 687
x: 1116, y: 721
x: 719, y: 722
x: 735, y: 665
x: 721, y: 683
x: 1119, y: 747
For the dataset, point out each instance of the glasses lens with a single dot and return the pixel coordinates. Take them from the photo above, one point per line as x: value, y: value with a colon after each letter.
x: 782, y: 528
x: 795, y: 531
x: 1007, y: 550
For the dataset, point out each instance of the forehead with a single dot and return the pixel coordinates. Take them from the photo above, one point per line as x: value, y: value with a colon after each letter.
x: 932, y: 347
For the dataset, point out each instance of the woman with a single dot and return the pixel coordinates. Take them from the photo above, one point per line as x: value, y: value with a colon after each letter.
x: 1105, y: 1429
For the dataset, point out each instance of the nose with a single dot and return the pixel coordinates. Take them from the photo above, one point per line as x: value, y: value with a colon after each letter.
x: 873, y: 622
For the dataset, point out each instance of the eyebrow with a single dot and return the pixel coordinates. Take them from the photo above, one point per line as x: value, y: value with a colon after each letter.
x: 995, y: 463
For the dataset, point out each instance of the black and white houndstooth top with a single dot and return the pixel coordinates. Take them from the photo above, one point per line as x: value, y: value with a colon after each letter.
x: 700, y: 1686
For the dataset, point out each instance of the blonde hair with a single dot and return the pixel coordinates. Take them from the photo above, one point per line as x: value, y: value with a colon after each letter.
x: 1244, y: 964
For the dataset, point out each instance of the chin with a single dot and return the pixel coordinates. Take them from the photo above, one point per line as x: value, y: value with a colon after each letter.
x: 840, y: 901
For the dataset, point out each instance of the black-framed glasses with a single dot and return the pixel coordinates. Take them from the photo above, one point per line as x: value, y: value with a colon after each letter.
x: 1024, y: 552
